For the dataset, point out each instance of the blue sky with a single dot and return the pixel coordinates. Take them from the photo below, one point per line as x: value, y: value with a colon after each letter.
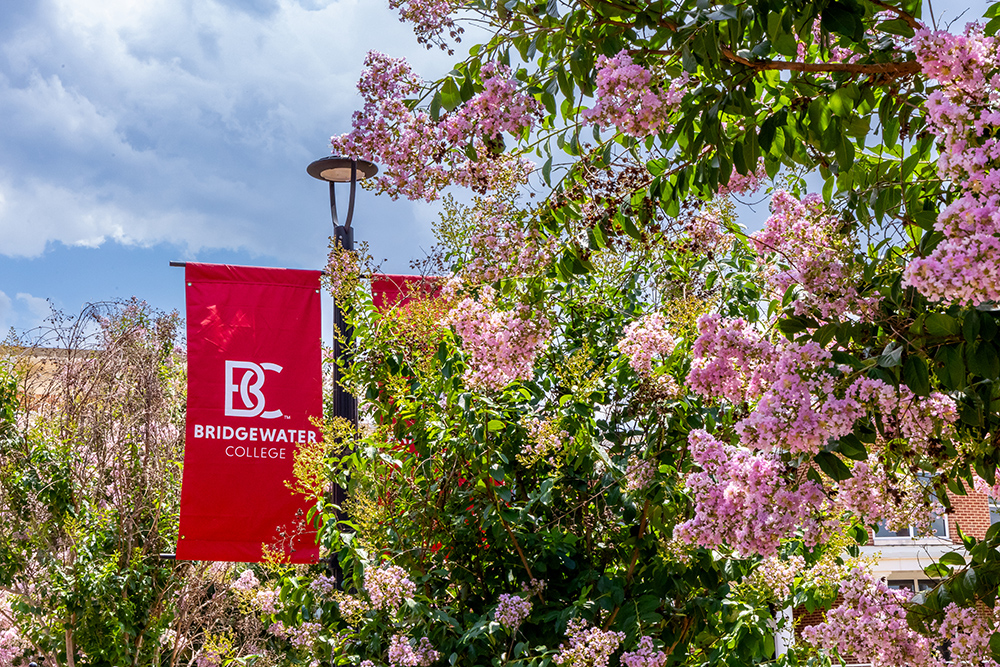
x: 135, y: 132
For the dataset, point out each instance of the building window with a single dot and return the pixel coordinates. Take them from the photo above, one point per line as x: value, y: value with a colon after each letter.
x: 915, y: 585
x: 938, y: 528
x: 994, y: 511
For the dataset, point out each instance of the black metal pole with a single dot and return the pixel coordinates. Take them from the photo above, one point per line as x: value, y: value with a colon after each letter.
x: 345, y: 405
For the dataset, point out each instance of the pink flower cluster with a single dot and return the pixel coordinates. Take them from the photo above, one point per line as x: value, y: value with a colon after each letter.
x: 969, y: 632
x: 544, y: 437
x: 511, y: 611
x: 247, y: 581
x: 802, y: 237
x: 794, y: 387
x: 323, y: 585
x: 638, y: 474
x: 303, y: 635
x: 588, y: 647
x: 388, y: 586
x: 644, y: 338
x: 705, y: 229
x: 645, y: 655
x: 267, y: 601
x: 870, y: 495
x: 501, y: 344
x: 208, y: 657
x: 798, y: 410
x: 964, y: 114
x: 502, y: 249
x: 871, y: 604
x: 741, y: 184
x: 729, y: 358
x: 420, y: 156
x: 403, y: 654
x: 12, y: 644
x: 628, y: 99
x: 777, y: 575
x: 792, y: 384
x: 430, y: 19
x: 915, y: 419
x: 747, y: 500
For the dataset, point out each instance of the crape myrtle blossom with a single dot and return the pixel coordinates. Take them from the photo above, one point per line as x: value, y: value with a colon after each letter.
x: 12, y: 644
x: 870, y: 604
x: 728, y: 358
x: 545, y: 437
x: 964, y: 114
x: 388, y: 586
x: 247, y: 581
x: 639, y: 473
x: 512, y: 610
x: 644, y: 338
x: 421, y: 156
x: 747, y: 500
x: 969, y: 631
x: 628, y: 99
x: 404, y: 654
x: 791, y: 383
x: 430, y: 19
x: 799, y: 405
x: 501, y: 248
x: 741, y: 184
x: 803, y: 237
x: 645, y: 655
x: 876, y: 497
x: 776, y: 575
x: 588, y: 646
x: 501, y: 344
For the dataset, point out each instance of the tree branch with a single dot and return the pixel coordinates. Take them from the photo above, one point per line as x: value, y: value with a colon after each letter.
x: 910, y: 21
x: 907, y: 68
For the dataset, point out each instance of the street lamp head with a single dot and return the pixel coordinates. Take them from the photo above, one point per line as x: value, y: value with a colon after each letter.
x: 337, y: 169
x: 334, y: 169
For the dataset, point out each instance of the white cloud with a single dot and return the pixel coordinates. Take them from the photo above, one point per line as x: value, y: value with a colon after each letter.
x: 24, y: 313
x: 187, y: 122
x: 37, y: 307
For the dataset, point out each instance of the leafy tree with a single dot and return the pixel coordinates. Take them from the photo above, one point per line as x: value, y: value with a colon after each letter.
x: 91, y: 423
x: 637, y: 434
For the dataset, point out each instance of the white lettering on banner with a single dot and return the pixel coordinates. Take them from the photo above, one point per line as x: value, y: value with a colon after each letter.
x: 249, y: 389
x: 241, y: 452
x: 253, y: 434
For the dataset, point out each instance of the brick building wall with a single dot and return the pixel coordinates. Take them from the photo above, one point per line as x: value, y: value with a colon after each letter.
x: 971, y: 513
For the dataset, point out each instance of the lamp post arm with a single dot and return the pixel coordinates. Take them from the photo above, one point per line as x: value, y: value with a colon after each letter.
x: 350, y: 203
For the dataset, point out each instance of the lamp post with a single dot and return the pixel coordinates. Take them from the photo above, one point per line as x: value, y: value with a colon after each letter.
x: 342, y: 170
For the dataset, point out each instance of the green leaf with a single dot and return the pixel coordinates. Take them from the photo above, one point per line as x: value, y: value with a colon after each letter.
x: 937, y: 571
x: 982, y: 360
x: 971, y: 324
x: 841, y: 19
x: 851, y: 447
x: 834, y: 468
x: 939, y: 324
x: 951, y: 366
x: 896, y: 27
x: 891, y: 356
x: 916, y: 375
x: 995, y: 637
x: 769, y: 127
x: 794, y: 324
x: 953, y: 558
x: 495, y: 425
x: 547, y: 172
x: 450, y: 95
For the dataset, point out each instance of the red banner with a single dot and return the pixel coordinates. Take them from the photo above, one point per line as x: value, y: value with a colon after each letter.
x: 389, y: 291
x: 254, y: 380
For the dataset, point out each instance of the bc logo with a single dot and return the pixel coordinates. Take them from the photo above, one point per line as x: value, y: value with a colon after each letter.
x: 248, y: 387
